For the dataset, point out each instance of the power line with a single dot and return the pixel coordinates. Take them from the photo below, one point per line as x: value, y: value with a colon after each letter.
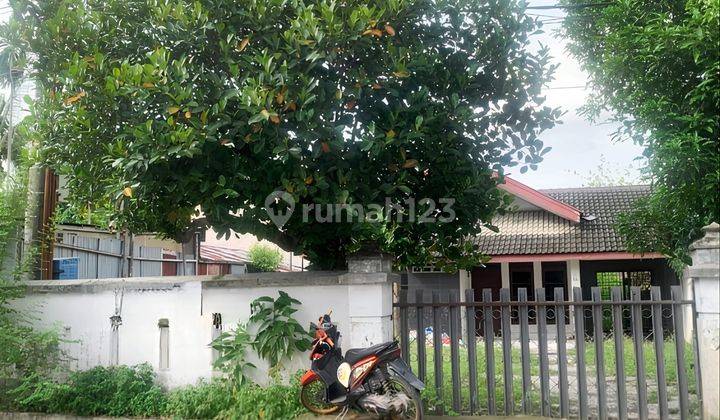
x: 568, y: 6
x: 567, y: 87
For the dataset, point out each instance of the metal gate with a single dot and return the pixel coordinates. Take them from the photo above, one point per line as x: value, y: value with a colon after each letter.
x: 620, y: 354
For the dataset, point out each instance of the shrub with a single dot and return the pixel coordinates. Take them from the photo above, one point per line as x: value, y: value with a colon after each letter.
x: 278, y: 335
x: 264, y: 258
x: 232, y: 346
x: 273, y: 402
x: 113, y: 391
x: 202, y: 401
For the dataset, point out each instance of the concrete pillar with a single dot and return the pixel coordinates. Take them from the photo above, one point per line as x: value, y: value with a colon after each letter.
x: 505, y: 275
x: 573, y: 275
x: 537, y: 275
x: 370, y: 298
x: 704, y: 278
x: 464, y: 282
x: 572, y: 269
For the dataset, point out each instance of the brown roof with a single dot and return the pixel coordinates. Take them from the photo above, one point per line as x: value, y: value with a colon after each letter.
x: 541, y: 232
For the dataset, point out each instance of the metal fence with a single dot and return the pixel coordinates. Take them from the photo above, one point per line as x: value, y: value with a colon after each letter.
x: 623, y: 357
x: 98, y: 258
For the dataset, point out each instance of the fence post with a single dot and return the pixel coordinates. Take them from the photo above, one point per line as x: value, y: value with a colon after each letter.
x: 703, y: 278
x: 370, y: 299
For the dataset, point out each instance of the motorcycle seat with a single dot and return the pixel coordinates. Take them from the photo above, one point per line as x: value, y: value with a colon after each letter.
x: 352, y: 356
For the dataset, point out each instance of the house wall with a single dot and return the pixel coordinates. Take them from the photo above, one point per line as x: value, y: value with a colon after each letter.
x: 81, y: 309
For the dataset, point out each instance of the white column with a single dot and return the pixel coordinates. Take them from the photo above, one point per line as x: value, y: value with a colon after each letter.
x: 573, y: 275
x: 572, y: 269
x: 370, y: 300
x: 704, y: 276
x: 505, y: 274
x: 464, y: 283
x: 537, y: 274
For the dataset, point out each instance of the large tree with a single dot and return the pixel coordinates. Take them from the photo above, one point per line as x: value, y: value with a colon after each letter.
x: 170, y: 106
x: 656, y: 65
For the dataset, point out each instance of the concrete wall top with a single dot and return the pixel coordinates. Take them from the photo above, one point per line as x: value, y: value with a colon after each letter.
x: 275, y: 279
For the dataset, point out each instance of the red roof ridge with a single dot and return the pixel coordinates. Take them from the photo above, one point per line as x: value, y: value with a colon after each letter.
x: 540, y: 199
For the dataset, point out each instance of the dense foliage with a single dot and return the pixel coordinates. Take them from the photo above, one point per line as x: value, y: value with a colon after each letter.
x: 24, y: 351
x: 264, y: 258
x: 656, y: 65
x: 132, y: 391
x: 114, y: 391
x: 214, y: 104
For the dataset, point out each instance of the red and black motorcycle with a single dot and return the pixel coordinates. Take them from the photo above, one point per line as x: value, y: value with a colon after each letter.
x: 374, y: 379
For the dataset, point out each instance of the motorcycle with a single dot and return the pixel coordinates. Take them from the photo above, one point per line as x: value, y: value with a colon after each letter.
x: 374, y: 379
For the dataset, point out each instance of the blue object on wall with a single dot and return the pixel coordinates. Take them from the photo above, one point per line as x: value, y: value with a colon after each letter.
x: 65, y: 268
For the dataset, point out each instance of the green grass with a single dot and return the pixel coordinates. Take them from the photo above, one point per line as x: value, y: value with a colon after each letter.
x: 629, y: 360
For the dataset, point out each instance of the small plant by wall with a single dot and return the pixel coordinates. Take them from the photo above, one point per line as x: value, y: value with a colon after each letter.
x: 264, y: 258
x: 276, y: 337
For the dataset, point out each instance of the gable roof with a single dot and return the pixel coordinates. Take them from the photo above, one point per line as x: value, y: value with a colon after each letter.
x: 541, y: 200
x: 544, y: 232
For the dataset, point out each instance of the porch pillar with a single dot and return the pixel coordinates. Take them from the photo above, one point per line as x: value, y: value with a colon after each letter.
x: 537, y: 274
x: 505, y: 274
x: 573, y: 280
x: 464, y: 283
x: 573, y: 275
x: 704, y: 279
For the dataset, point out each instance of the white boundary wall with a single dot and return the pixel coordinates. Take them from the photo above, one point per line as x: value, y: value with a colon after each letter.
x: 361, y: 303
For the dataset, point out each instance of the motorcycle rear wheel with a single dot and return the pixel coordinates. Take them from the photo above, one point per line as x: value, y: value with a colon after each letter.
x: 312, y: 396
x: 399, y: 384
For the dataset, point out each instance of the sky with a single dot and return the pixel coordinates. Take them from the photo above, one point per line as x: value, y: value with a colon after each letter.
x: 578, y: 146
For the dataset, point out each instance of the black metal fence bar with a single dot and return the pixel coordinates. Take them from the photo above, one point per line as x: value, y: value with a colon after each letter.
x: 525, y: 352
x: 637, y: 332
x: 618, y: 336
x: 599, y: 353
x: 420, y: 334
x: 494, y: 304
x: 613, y: 325
x: 562, y: 353
x: 454, y: 321
x: 509, y: 397
x: 579, y: 313
x: 545, y: 407
x: 404, y: 326
x: 472, y: 351
x: 696, y: 357
x: 677, y: 311
x: 489, y: 336
x: 438, y: 350
x: 659, y: 342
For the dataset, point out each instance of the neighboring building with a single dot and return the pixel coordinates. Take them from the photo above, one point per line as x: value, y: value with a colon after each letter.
x: 557, y: 238
x: 86, y: 252
x: 239, y: 245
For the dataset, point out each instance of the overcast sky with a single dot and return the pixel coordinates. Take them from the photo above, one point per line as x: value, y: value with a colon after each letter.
x: 578, y: 146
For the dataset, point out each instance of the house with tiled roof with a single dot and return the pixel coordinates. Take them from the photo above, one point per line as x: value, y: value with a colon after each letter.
x: 557, y: 238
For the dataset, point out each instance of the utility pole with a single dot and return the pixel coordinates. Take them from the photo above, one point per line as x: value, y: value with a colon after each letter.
x: 33, y: 215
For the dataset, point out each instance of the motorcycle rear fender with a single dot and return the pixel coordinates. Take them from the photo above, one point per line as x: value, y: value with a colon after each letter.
x: 401, y: 369
x: 308, y: 377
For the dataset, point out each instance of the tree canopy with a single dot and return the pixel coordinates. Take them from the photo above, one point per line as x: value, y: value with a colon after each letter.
x: 656, y: 65
x: 190, y: 113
